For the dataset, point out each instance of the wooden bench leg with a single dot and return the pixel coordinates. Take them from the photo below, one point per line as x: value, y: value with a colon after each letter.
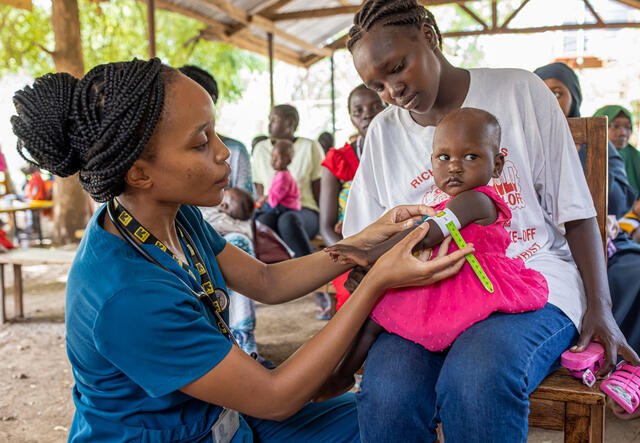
x: 17, y: 291
x: 597, y: 424
x: 3, y: 306
x: 577, y: 423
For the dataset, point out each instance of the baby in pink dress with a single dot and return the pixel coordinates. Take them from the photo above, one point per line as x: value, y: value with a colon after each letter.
x: 465, y: 158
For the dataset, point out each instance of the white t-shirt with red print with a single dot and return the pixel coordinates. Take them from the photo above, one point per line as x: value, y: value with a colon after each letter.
x: 542, y: 180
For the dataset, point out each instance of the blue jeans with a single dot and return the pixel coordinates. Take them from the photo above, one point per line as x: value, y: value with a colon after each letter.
x: 478, y: 388
x: 333, y: 421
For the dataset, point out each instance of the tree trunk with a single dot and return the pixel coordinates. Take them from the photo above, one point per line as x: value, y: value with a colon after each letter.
x: 71, y: 208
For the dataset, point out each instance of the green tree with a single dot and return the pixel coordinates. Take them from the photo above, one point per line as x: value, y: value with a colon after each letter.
x: 114, y: 31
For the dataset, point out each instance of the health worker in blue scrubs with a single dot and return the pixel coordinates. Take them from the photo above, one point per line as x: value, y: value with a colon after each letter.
x: 146, y: 296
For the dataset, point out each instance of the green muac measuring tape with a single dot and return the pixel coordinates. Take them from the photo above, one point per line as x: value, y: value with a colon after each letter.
x: 448, y: 219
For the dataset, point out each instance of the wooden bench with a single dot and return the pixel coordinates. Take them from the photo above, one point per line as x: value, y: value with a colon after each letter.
x: 27, y: 257
x: 562, y: 402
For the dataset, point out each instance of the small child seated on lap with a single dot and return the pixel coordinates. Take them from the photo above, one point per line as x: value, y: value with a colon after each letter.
x: 465, y: 158
x: 283, y: 194
x: 233, y: 214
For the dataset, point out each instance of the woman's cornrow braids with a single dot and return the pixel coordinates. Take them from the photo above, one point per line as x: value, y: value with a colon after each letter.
x: 390, y: 13
x: 101, y: 131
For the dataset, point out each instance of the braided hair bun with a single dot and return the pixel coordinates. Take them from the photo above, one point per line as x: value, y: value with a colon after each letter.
x: 97, y: 126
x: 43, y: 123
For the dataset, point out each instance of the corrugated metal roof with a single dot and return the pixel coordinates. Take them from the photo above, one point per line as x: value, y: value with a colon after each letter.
x: 303, y: 41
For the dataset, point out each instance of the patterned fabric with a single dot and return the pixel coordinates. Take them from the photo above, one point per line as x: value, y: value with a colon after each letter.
x: 242, y: 310
x: 342, y: 199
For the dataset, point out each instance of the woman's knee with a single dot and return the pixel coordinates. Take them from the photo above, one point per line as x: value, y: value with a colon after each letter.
x: 398, y: 373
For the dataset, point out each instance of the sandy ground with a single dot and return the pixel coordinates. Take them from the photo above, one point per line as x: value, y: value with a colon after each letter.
x: 36, y: 380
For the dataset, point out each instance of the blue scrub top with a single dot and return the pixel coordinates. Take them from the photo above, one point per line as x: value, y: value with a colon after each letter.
x: 136, y: 334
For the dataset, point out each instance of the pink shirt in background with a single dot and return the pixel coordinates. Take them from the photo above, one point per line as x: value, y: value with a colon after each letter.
x: 284, y: 191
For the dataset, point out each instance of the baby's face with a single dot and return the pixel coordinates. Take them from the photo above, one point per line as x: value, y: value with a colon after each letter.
x: 463, y: 160
x: 281, y: 156
x: 230, y: 204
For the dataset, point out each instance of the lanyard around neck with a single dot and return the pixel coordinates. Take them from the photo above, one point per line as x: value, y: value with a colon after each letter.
x: 216, y: 299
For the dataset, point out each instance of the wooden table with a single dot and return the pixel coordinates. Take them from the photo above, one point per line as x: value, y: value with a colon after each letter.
x: 35, y: 206
x: 27, y: 257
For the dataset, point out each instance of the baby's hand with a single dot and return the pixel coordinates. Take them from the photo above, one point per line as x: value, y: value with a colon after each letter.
x: 338, y: 228
x: 355, y: 277
x: 261, y: 201
x: 348, y: 255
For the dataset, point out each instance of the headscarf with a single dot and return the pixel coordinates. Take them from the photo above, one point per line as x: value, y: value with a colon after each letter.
x: 629, y: 154
x: 564, y: 74
x: 612, y: 111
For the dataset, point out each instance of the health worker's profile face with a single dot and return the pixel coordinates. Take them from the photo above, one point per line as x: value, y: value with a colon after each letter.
x: 187, y: 162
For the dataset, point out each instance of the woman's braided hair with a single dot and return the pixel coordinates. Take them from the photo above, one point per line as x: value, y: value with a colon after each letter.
x: 391, y: 13
x: 97, y: 126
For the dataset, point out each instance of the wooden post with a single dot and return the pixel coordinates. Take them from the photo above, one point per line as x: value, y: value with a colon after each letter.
x: 151, y: 27
x: 271, y: 93
x: 71, y: 209
x: 333, y: 97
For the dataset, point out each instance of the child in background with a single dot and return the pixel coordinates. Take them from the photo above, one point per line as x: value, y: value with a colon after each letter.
x: 233, y: 214
x: 465, y: 159
x: 283, y: 194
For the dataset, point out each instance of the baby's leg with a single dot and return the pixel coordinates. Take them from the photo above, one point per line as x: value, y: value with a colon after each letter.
x: 342, y: 378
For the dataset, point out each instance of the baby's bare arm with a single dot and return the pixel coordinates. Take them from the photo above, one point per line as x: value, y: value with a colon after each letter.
x: 468, y: 207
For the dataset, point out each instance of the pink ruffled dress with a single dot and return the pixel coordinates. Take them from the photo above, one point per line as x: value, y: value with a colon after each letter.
x: 435, y: 315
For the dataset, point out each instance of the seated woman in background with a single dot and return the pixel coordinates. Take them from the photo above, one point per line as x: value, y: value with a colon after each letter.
x: 340, y: 167
x: 624, y: 254
x: 296, y: 228
x: 620, y: 129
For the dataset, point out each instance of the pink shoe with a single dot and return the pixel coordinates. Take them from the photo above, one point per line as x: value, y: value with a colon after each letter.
x: 584, y: 364
x: 624, y: 386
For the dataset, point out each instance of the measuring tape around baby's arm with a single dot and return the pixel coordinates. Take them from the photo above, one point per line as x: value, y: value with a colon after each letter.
x: 447, y: 221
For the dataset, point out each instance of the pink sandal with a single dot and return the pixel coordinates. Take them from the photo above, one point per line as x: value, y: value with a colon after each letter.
x: 624, y: 386
x: 584, y: 364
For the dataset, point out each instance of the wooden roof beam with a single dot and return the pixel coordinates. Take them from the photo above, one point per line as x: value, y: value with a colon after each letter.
x: 617, y: 25
x: 274, y: 7
x: 473, y: 15
x: 513, y: 14
x: 264, y: 24
x: 255, y: 44
x: 161, y: 4
x: 315, y: 13
x: 336, y: 44
x: 593, y: 12
x: 631, y: 3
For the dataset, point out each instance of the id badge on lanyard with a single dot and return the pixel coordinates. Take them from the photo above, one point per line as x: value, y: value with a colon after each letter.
x: 226, y: 426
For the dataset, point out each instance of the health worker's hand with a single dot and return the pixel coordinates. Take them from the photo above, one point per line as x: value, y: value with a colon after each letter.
x: 399, y: 267
x: 395, y: 220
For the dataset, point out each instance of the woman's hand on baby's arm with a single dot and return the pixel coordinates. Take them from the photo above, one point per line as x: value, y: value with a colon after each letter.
x: 395, y: 220
x: 348, y: 255
x: 400, y: 268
